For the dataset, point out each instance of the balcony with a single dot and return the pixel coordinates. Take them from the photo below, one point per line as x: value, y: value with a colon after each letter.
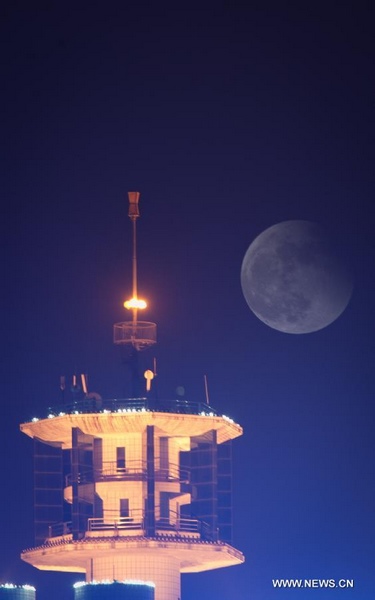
x: 135, y: 520
x: 172, y: 525
x: 134, y: 525
x: 134, y: 471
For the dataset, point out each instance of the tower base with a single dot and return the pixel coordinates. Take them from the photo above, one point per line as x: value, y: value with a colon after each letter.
x: 160, y: 560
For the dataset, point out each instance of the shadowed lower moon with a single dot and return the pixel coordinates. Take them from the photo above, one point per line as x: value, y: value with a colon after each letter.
x: 292, y: 280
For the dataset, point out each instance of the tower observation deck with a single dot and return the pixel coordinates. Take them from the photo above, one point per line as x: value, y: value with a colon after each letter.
x: 133, y: 489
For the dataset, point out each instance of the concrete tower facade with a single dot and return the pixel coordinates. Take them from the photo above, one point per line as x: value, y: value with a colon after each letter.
x: 133, y: 489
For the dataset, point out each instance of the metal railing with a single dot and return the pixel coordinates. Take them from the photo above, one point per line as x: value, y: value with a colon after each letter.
x: 109, y: 470
x: 171, y: 472
x: 208, y: 533
x: 135, y: 520
x: 180, y: 524
x: 135, y: 470
x: 86, y: 405
x: 59, y: 529
x: 172, y: 525
x: 177, y: 524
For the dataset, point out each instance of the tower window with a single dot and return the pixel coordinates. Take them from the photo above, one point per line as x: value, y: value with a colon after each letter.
x: 120, y: 458
x: 164, y: 504
x: 124, y: 507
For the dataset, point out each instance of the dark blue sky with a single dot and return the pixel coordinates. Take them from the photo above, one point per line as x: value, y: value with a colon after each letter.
x: 227, y: 120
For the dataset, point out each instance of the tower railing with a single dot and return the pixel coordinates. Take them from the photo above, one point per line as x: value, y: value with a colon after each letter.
x: 172, y: 472
x: 173, y: 524
x: 89, y: 405
x: 135, y: 520
x: 59, y: 529
x: 135, y: 470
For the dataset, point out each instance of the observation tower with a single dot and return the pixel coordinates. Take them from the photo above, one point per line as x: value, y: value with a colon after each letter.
x: 135, y: 490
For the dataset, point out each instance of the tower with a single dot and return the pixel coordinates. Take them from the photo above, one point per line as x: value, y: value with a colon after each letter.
x: 135, y: 489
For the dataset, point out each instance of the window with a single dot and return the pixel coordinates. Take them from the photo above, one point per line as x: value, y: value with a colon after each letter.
x: 164, y: 505
x: 124, y: 507
x: 120, y: 459
x: 164, y: 458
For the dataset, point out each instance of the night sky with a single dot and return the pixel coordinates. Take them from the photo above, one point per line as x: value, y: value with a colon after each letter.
x: 228, y: 120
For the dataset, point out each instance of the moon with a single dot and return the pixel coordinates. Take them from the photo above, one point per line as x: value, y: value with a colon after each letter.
x: 292, y: 279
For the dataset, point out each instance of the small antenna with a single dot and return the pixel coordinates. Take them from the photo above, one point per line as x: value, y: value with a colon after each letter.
x: 84, y: 382
x: 206, y: 389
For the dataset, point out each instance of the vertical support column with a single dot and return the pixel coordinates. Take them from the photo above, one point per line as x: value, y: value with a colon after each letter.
x: 214, y: 484
x: 150, y: 500
x: 97, y: 474
x: 75, y: 478
x: 163, y: 569
x: 131, y: 361
x: 48, y: 489
x: 203, y: 457
x: 224, y: 491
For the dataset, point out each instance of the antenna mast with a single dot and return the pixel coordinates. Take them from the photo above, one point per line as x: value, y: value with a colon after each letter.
x: 134, y: 215
x: 141, y: 334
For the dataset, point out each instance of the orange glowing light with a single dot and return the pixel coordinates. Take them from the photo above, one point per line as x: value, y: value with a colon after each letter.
x: 135, y: 303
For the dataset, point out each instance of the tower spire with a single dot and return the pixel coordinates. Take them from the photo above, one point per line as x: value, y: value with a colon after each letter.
x: 140, y: 334
x: 134, y: 215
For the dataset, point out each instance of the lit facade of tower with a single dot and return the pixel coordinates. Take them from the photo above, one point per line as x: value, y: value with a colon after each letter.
x: 9, y: 591
x: 133, y: 489
x: 114, y: 590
